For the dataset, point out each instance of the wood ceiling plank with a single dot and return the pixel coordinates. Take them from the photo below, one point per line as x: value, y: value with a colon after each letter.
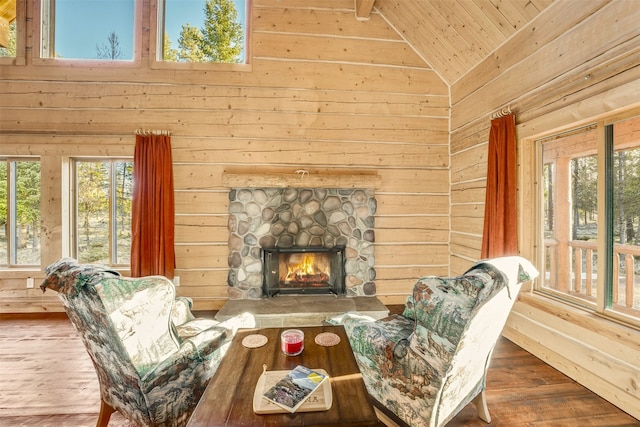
x: 472, y: 30
x: 482, y: 20
x: 494, y: 16
x: 462, y: 39
x: 409, y: 18
x: 511, y: 12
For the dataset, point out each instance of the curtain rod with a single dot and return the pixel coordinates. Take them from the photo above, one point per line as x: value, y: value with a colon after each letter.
x: 152, y: 132
x: 504, y: 111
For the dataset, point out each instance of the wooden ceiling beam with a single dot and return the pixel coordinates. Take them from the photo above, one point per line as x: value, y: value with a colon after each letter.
x: 363, y: 9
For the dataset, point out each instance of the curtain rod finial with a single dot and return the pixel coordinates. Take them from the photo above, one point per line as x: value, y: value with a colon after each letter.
x: 504, y: 111
x: 152, y: 132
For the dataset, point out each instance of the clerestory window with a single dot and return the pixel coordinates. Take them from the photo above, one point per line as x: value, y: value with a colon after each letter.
x: 202, y: 31
x: 88, y: 29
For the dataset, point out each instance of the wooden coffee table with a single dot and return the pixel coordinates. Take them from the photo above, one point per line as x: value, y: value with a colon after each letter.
x: 228, y: 399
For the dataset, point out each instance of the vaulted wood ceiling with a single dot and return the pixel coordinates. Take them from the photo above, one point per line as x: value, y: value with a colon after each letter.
x: 452, y: 36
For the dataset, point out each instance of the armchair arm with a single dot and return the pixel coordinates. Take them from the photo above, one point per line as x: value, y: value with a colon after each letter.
x: 388, y: 336
x: 168, y: 369
x: 209, y: 344
x: 208, y: 341
x: 181, y: 311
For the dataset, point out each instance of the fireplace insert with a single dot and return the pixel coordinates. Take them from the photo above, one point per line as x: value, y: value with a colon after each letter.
x: 308, y: 270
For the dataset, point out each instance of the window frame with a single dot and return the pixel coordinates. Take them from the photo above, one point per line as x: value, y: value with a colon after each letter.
x: 530, y: 175
x: 37, y: 54
x: 73, y: 201
x: 156, y: 23
x: 11, y: 260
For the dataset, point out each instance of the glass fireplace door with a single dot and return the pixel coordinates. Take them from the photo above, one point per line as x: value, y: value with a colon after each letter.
x: 303, y: 271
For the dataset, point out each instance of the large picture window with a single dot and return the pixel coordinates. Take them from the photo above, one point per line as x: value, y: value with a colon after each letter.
x: 19, y: 212
x: 590, y: 216
x: 88, y: 29
x: 102, y: 199
x: 206, y: 31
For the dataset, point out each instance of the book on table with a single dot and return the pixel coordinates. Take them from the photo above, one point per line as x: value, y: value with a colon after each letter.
x: 293, y: 388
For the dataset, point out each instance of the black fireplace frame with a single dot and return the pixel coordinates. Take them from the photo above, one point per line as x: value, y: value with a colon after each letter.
x: 271, y: 271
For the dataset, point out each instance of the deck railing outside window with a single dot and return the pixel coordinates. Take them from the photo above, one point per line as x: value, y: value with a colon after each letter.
x: 578, y: 277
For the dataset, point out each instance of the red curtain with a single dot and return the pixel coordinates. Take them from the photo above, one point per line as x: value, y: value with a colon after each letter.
x: 499, y: 237
x: 152, y: 250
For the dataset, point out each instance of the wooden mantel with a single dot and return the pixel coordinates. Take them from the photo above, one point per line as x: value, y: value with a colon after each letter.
x: 299, y: 179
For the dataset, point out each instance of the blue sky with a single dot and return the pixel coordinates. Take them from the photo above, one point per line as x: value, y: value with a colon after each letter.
x: 82, y: 24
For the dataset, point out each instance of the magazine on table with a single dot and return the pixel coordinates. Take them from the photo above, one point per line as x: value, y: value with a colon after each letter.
x: 291, y: 391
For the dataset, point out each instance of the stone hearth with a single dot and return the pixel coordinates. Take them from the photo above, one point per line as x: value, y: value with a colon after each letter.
x: 301, y: 310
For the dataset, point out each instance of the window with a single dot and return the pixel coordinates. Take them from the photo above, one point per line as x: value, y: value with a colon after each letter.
x: 202, y: 31
x: 88, y: 29
x: 102, y: 199
x: 19, y: 212
x: 590, y: 216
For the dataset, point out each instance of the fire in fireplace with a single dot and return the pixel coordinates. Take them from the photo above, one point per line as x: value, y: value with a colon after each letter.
x: 309, y: 270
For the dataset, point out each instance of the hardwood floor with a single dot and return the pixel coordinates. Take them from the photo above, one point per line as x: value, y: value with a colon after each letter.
x: 47, y: 379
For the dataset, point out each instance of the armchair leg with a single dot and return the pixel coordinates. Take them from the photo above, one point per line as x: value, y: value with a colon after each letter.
x: 481, y: 406
x: 384, y: 418
x: 105, y: 414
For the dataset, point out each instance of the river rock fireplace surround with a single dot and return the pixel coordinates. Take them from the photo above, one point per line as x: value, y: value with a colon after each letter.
x: 289, y: 219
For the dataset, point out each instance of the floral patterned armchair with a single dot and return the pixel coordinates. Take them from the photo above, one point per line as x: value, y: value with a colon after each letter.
x: 426, y: 365
x: 153, y: 358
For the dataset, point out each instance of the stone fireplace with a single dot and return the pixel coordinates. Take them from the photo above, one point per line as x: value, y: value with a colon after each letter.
x: 300, y: 219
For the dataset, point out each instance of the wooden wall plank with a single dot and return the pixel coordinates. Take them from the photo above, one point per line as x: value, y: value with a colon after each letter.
x: 231, y: 124
x: 297, y: 152
x: 412, y: 203
x: 469, y: 165
x: 469, y: 191
x: 264, y: 73
x: 204, y: 256
x: 415, y: 254
x: 200, y: 228
x: 412, y: 228
x: 209, y: 177
x: 211, y: 96
x: 321, y: 22
x: 395, y: 52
